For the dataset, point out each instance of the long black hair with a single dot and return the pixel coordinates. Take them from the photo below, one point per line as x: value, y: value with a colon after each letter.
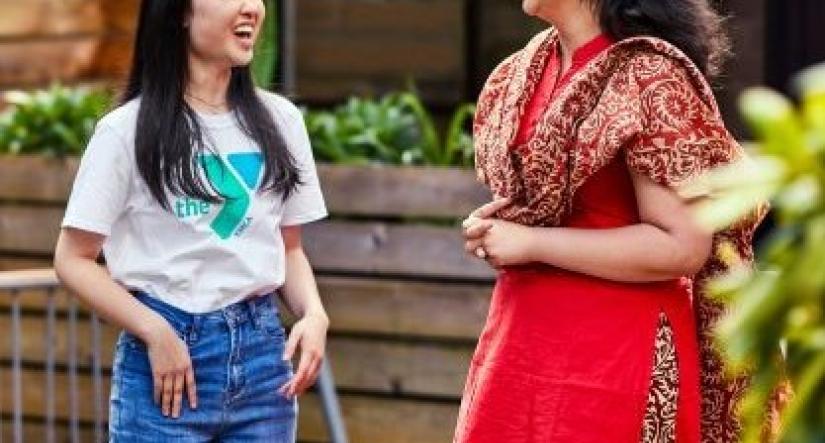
x: 693, y: 26
x: 168, y: 137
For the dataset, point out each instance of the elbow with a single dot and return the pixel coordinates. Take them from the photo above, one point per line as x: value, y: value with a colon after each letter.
x: 60, y: 264
x: 693, y: 254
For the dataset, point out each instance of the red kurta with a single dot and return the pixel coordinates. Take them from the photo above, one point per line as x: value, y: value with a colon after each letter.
x: 565, y: 357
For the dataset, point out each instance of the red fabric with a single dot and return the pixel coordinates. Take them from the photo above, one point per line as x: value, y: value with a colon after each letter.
x: 550, y: 83
x: 566, y: 357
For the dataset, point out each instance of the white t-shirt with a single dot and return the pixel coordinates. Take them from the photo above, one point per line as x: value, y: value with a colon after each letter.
x: 200, y: 256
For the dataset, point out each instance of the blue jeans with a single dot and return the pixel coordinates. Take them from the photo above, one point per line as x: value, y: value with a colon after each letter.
x: 236, y: 355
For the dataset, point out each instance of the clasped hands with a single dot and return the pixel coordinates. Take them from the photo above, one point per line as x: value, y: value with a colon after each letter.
x: 499, y: 242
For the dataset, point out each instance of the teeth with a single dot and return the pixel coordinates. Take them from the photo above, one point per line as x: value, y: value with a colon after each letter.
x: 244, y: 29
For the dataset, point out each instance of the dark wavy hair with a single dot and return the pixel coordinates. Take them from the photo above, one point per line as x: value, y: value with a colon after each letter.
x: 168, y: 137
x: 693, y: 26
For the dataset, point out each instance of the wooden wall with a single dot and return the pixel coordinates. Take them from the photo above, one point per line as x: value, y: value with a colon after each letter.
x: 406, y: 304
x: 46, y: 40
x: 368, y: 46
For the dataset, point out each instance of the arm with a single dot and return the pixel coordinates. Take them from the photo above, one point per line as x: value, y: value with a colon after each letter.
x: 301, y: 297
x: 667, y: 244
x: 77, y: 269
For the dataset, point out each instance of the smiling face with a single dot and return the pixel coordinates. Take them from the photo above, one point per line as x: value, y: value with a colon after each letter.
x: 225, y: 31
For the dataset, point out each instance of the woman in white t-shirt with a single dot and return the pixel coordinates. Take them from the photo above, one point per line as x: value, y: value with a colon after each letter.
x: 195, y: 189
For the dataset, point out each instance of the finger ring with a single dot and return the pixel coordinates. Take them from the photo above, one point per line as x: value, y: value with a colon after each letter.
x: 480, y: 252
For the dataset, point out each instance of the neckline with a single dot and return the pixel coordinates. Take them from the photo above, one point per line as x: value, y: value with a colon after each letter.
x: 220, y: 120
x: 581, y: 57
x: 592, y: 48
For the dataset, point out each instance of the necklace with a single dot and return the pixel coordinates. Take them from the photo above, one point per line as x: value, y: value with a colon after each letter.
x: 215, y: 106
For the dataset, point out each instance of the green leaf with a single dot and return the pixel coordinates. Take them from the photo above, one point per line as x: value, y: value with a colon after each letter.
x: 778, y: 125
x: 266, y: 48
x: 56, y: 121
x: 395, y: 129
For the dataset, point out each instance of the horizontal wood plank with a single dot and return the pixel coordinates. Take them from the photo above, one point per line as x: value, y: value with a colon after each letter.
x: 37, y: 178
x: 50, y: 18
x: 349, y: 47
x: 41, y: 62
x: 16, y: 263
x: 35, y: 431
x: 405, y: 308
x: 425, y: 18
x: 326, y: 89
x: 29, y: 229
x: 34, y: 383
x: 401, y: 369
x: 368, y: 57
x: 382, y: 420
x: 392, y: 249
x: 401, y: 191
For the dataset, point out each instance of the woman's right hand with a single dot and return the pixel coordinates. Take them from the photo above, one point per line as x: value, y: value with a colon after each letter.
x: 476, y: 225
x: 172, y: 370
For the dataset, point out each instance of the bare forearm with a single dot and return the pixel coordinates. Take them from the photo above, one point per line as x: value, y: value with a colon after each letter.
x: 636, y: 253
x: 300, y: 290
x: 91, y: 283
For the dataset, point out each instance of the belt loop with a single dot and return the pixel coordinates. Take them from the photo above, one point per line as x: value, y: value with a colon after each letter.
x: 252, y: 308
x: 195, y: 327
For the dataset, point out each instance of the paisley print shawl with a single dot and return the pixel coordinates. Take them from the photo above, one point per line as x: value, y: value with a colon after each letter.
x: 641, y: 98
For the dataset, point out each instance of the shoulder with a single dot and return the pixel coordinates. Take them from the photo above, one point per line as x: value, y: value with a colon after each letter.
x: 655, y: 64
x: 289, y: 120
x: 283, y: 111
x: 121, y: 119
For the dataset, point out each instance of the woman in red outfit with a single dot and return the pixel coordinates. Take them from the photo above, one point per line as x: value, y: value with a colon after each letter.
x: 599, y: 325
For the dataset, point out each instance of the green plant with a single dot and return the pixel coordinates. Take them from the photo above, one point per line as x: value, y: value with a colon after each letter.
x: 266, y: 48
x: 395, y: 129
x: 57, y: 121
x: 783, y: 302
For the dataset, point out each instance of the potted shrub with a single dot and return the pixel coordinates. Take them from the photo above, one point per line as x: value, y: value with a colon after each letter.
x: 41, y: 135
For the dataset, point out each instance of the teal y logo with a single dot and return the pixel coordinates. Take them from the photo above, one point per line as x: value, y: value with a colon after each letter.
x: 237, y: 187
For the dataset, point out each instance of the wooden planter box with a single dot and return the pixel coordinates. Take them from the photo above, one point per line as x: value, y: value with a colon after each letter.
x: 406, y: 303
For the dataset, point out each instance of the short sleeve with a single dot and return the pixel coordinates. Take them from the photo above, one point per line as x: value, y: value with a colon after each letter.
x: 306, y: 203
x: 101, y: 186
x: 683, y: 133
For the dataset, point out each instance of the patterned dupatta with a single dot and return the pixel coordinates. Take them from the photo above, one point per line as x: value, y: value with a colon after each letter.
x: 641, y: 98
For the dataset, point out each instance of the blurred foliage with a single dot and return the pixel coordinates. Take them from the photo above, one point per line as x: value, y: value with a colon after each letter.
x: 782, y: 304
x: 58, y: 121
x: 266, y: 48
x: 396, y: 129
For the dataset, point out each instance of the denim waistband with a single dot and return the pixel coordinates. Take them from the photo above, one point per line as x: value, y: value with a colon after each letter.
x: 188, y: 323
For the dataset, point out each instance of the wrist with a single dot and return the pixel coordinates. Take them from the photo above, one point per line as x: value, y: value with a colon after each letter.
x: 318, y: 315
x: 530, y: 248
x: 151, y: 327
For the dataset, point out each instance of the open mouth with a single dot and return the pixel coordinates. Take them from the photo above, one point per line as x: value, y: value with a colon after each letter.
x: 245, y: 33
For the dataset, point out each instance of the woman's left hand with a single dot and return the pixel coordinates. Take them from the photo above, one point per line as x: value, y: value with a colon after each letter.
x: 310, y: 335
x: 503, y: 243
